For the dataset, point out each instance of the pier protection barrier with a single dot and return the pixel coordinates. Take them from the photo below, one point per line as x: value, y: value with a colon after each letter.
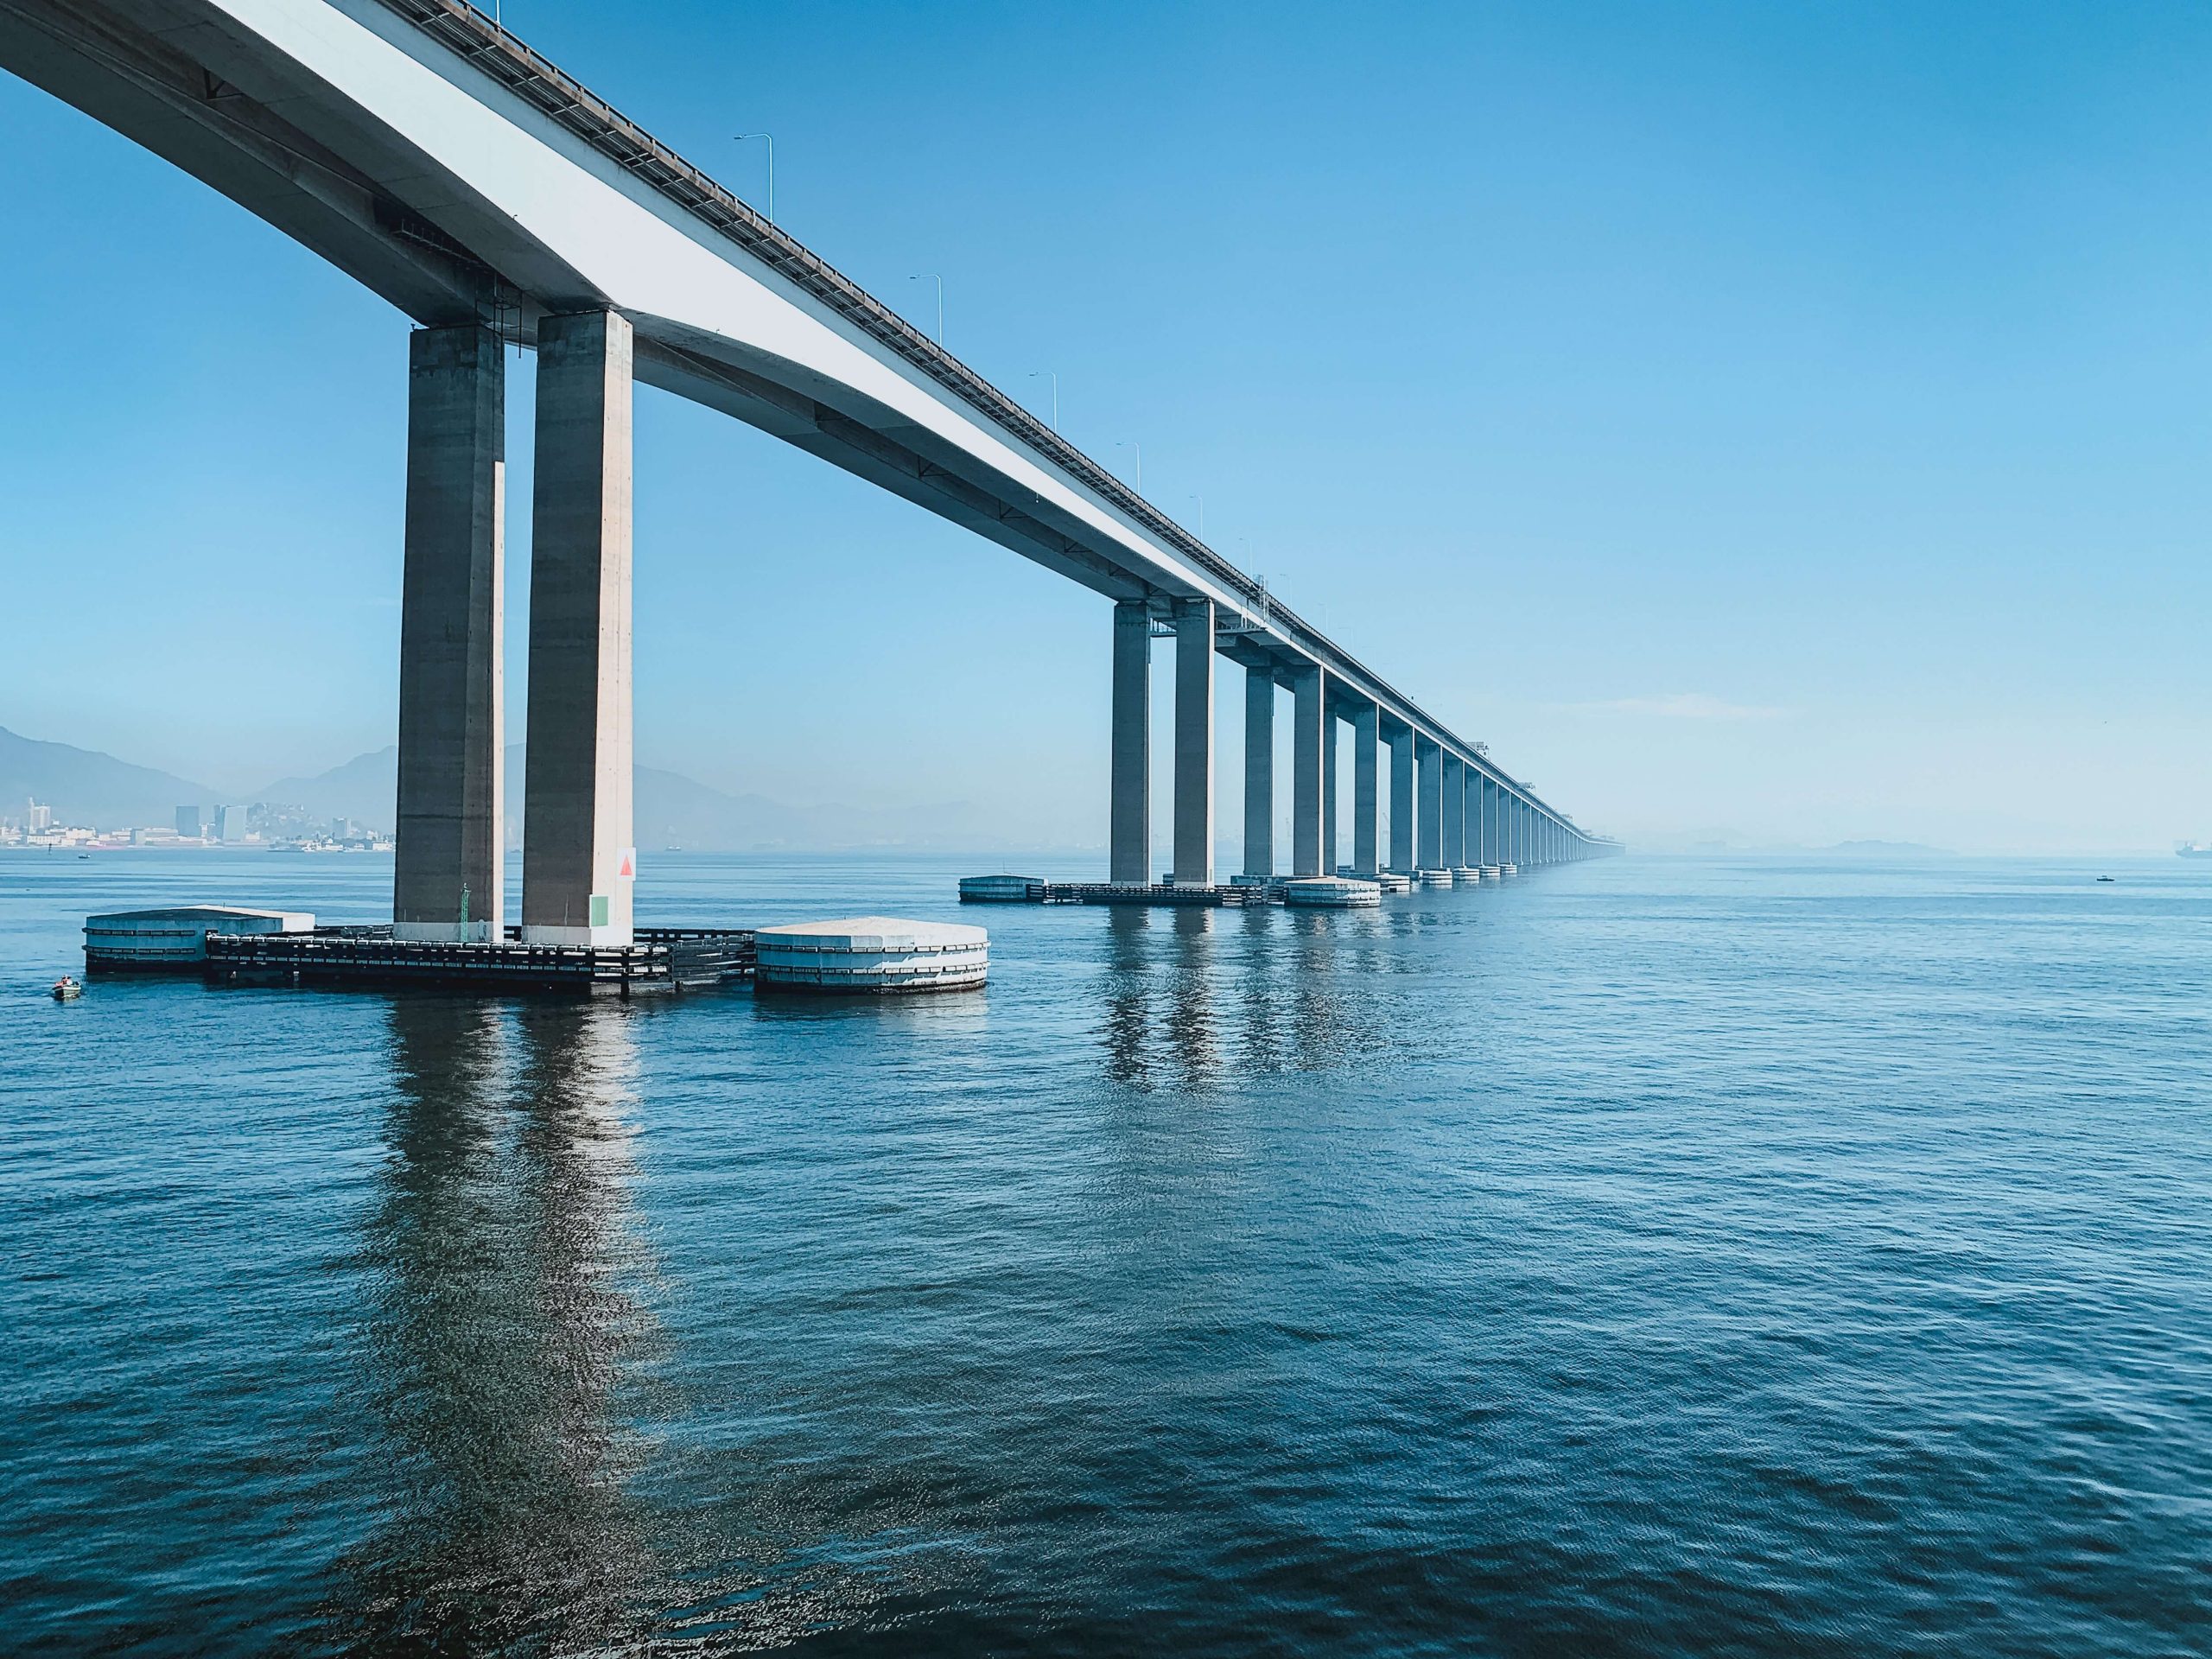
x: 1329, y: 892
x: 873, y: 955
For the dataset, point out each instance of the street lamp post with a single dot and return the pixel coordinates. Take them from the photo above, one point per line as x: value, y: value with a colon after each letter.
x: 932, y: 276
x: 770, y: 139
x: 1133, y: 446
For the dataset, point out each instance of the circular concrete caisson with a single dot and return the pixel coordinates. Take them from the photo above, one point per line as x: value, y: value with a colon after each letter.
x: 1435, y: 877
x: 1466, y: 875
x: 871, y: 954
x: 1329, y: 892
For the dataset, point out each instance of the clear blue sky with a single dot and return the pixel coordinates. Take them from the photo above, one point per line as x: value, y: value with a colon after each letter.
x: 1783, y: 420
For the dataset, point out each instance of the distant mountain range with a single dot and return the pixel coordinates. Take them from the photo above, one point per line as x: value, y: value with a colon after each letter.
x: 668, y: 808
x: 84, y: 786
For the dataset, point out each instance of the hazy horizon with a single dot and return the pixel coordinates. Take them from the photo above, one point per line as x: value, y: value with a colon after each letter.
x: 1786, y: 425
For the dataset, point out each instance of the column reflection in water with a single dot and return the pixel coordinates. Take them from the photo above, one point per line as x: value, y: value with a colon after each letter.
x: 1325, y: 1008
x: 1195, y: 997
x: 1189, y: 988
x: 506, y: 1332
x: 1261, y: 978
x: 1161, y: 1024
x: 1127, y: 1026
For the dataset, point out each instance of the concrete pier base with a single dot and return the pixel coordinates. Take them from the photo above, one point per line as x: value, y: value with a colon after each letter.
x: 871, y: 955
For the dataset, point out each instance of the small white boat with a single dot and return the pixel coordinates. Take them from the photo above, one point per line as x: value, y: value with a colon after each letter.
x: 67, y: 988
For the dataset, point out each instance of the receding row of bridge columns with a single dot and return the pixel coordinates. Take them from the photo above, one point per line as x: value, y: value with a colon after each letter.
x: 1447, y: 810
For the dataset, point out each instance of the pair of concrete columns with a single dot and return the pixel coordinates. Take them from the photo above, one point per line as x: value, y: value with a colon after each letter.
x: 1314, y: 816
x: 1129, y: 821
x: 578, y: 859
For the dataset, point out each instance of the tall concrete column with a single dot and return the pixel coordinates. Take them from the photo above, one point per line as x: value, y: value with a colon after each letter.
x: 1128, y: 820
x: 1401, y: 800
x: 449, y: 878
x: 1478, y: 848
x: 578, y: 856
x: 1493, y: 836
x: 1194, y: 743
x: 1258, y: 770
x: 1453, y: 836
x: 1331, y: 822
x: 1308, y: 725
x: 1431, y: 809
x: 1366, y: 850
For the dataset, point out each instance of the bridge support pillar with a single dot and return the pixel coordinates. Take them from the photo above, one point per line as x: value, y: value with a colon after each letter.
x: 1194, y: 743
x: 1364, y: 803
x: 1453, y: 813
x: 1401, y: 800
x: 1129, y: 827
x: 1493, y: 842
x: 449, y: 880
x: 1331, y: 821
x: 1260, y: 770
x: 1430, y: 813
x: 578, y: 859
x: 1309, y: 725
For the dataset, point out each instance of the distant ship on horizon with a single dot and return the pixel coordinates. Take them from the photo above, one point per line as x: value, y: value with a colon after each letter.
x: 2191, y: 849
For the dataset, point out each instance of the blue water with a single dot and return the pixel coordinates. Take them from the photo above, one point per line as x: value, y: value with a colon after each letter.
x: 1650, y: 1257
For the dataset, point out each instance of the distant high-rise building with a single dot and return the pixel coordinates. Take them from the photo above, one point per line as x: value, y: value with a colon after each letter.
x: 40, y: 819
x: 230, y: 823
x: 188, y: 823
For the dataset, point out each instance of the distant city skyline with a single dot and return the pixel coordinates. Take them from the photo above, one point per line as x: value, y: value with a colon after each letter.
x: 1781, y: 426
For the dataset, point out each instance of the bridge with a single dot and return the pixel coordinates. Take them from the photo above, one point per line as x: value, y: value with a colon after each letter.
x: 418, y: 146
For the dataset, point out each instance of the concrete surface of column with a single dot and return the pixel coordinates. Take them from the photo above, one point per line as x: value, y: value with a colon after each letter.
x: 1331, y: 822
x: 1401, y: 800
x: 579, y: 861
x: 1366, y: 843
x: 448, y: 862
x: 1452, y: 813
x: 1258, y: 770
x: 1128, y: 816
x: 1430, y: 810
x: 1194, y: 743
x: 1308, y: 726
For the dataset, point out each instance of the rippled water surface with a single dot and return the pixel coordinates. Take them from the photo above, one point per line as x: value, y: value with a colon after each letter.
x: 1650, y: 1257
